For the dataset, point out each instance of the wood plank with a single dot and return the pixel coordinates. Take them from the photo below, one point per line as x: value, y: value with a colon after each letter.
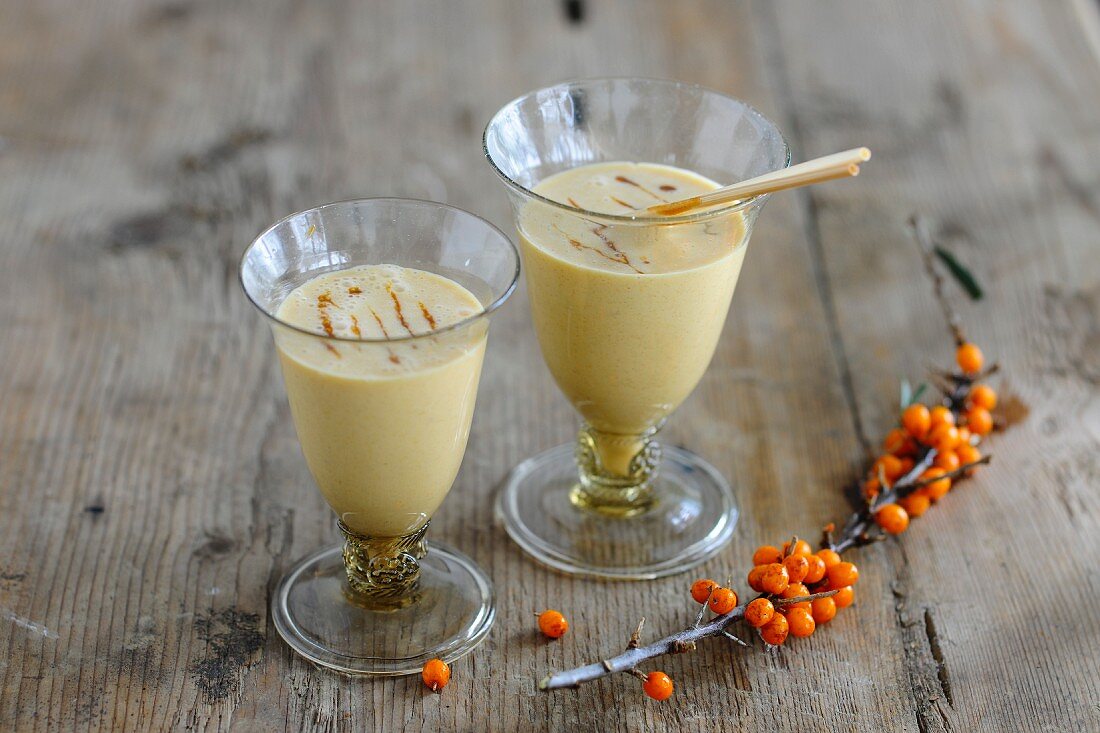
x: 152, y: 490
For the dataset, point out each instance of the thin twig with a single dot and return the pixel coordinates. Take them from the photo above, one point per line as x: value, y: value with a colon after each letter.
x: 919, y: 226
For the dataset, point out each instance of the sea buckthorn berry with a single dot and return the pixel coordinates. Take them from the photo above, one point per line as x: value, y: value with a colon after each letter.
x: 844, y: 597
x: 968, y: 454
x: 907, y: 465
x: 801, y: 622
x: 801, y: 547
x: 916, y: 420
x: 815, y: 570
x: 890, y: 465
x: 969, y: 358
x: 842, y: 574
x: 756, y: 577
x: 937, y: 489
x: 979, y: 421
x: 892, y: 518
x: 700, y: 589
x: 775, y: 579
x: 759, y: 612
x: 797, y: 567
x: 795, y: 590
x: 940, y: 415
x: 775, y: 631
x: 948, y: 460
x: 915, y: 504
x: 658, y: 685
x: 766, y: 555
x: 722, y: 601
x: 964, y: 435
x: 553, y: 624
x: 830, y: 557
x: 896, y: 441
x: 823, y: 610
x: 944, y: 438
x: 871, y: 487
x: 436, y: 674
x: 982, y: 395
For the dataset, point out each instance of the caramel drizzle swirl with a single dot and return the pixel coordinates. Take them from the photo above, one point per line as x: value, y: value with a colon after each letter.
x: 574, y: 203
x: 354, y: 290
x: 378, y: 320
x: 355, y: 326
x: 397, y: 308
x: 427, y: 314
x: 324, y: 300
x: 620, y: 202
x: 332, y: 348
x: 667, y: 187
x: 635, y: 184
x: 618, y: 257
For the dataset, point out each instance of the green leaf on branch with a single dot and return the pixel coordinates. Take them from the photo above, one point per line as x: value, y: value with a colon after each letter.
x: 910, y: 395
x: 962, y: 275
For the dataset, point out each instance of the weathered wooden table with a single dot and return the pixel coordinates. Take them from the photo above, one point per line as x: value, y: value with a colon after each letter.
x: 151, y: 487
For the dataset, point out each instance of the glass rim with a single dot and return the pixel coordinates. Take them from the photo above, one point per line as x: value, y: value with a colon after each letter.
x: 457, y: 325
x: 619, y: 218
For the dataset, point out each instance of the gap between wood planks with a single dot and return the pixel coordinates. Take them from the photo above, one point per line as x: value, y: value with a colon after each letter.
x: 923, y: 661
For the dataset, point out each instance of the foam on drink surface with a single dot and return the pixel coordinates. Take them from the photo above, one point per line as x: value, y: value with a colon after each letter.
x: 627, y: 189
x: 377, y: 302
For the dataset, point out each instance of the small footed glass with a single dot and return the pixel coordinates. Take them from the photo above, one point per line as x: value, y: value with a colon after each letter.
x: 383, y: 416
x: 625, y: 338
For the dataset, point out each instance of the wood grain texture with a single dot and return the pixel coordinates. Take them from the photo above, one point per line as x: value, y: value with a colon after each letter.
x: 151, y: 487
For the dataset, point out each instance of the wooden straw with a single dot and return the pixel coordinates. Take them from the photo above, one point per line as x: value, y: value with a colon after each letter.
x: 827, y: 168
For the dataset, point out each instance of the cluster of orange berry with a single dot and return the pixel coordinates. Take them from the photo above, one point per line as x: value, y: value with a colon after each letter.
x: 953, y: 437
x: 794, y: 571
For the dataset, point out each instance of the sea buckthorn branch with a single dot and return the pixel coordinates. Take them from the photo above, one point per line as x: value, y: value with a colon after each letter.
x: 928, y: 451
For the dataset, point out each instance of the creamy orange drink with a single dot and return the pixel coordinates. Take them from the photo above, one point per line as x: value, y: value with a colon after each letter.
x: 628, y: 317
x: 383, y: 426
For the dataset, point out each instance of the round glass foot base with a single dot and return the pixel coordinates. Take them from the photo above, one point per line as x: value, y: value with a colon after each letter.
x: 692, y: 518
x: 450, y: 615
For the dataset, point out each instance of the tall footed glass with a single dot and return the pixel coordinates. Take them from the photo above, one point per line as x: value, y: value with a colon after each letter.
x: 380, y: 312
x: 628, y: 309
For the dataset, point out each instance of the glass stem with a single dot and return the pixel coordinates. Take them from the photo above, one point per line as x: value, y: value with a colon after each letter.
x: 383, y: 571
x: 616, y: 472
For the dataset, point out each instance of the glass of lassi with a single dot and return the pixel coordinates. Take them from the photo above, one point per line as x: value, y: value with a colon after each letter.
x: 628, y: 308
x: 380, y: 311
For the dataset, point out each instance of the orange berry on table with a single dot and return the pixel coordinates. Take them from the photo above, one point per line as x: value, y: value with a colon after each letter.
x: 801, y: 622
x: 775, y: 579
x: 830, y: 557
x: 842, y: 574
x: 797, y: 567
x: 979, y: 421
x: 759, y: 612
x: 553, y: 624
x: 947, y: 460
x: 795, y: 590
x: 892, y: 518
x: 775, y: 631
x: 944, y: 438
x: 722, y: 601
x: 907, y: 465
x: 801, y: 547
x: 700, y: 589
x: 823, y: 610
x: 964, y: 435
x: 896, y: 441
x: 982, y: 395
x: 969, y: 358
x: 937, y: 489
x: 756, y: 577
x: 916, y: 420
x: 915, y: 504
x: 765, y: 555
x: 816, y: 569
x: 941, y: 415
x: 658, y: 685
x: 844, y: 597
x: 968, y: 454
x: 436, y: 674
